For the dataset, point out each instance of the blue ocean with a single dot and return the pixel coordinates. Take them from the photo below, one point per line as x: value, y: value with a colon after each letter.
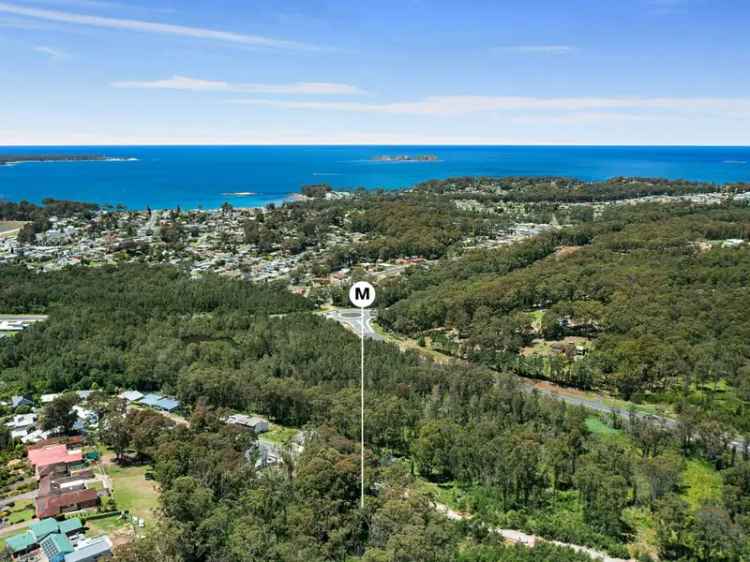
x: 250, y: 176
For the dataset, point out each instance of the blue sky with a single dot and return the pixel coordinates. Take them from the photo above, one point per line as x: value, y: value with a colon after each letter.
x: 401, y: 72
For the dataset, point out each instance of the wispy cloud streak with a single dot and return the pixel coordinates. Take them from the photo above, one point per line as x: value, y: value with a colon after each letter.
x: 187, y: 83
x: 152, y: 27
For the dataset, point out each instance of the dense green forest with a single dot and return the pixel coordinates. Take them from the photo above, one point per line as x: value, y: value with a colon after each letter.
x: 650, y: 290
x: 571, y: 190
x: 390, y: 224
x: 513, y: 458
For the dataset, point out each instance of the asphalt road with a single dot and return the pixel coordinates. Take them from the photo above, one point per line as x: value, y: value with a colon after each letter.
x: 350, y: 318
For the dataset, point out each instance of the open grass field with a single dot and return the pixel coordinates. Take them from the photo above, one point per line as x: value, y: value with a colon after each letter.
x: 106, y: 526
x: 133, y: 492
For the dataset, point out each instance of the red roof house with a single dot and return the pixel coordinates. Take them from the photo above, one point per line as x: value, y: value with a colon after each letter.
x: 54, y: 505
x: 52, y: 455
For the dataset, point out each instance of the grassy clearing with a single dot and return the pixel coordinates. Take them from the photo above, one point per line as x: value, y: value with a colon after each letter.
x: 132, y: 492
x: 701, y: 483
x: 279, y: 434
x: 105, y: 526
x: 598, y: 427
x: 446, y: 493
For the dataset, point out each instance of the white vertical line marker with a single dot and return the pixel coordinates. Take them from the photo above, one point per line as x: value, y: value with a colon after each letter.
x: 362, y: 414
x: 362, y: 295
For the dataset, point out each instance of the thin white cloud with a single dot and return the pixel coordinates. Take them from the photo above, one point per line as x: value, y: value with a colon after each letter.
x: 51, y: 52
x: 537, y: 49
x: 187, y: 83
x: 152, y: 27
x: 460, y: 105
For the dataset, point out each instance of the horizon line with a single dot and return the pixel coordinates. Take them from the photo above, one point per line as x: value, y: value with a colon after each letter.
x: 407, y: 144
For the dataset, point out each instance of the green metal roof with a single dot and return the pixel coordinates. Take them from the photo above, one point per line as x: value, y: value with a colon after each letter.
x: 44, y: 527
x: 20, y: 542
x: 56, y: 544
x: 70, y: 525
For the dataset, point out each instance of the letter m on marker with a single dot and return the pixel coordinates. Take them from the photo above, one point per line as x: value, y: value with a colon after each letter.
x: 362, y: 293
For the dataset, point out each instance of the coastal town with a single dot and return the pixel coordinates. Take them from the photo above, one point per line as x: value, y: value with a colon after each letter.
x: 223, y: 242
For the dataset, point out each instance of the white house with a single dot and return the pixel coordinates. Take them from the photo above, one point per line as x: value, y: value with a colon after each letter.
x: 130, y: 395
x: 257, y: 424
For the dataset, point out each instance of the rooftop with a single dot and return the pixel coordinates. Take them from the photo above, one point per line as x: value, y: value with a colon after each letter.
x: 52, y: 505
x: 20, y: 542
x: 53, y: 454
x: 151, y: 399
x: 56, y: 544
x: 86, y: 551
x: 45, y: 527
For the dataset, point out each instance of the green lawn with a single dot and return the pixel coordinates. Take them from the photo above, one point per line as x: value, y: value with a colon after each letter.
x: 132, y: 491
x: 23, y: 510
x: 106, y: 525
x: 20, y: 516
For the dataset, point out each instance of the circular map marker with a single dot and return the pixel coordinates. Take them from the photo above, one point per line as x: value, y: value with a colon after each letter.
x: 362, y: 294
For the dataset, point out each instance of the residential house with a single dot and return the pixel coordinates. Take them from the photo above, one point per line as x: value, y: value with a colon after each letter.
x: 21, y: 425
x: 91, y: 550
x: 28, y: 541
x: 151, y: 400
x: 130, y: 395
x: 159, y: 402
x: 18, y: 401
x: 255, y: 423
x: 53, y: 456
x: 55, y: 504
x: 168, y: 404
x: 55, y: 547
